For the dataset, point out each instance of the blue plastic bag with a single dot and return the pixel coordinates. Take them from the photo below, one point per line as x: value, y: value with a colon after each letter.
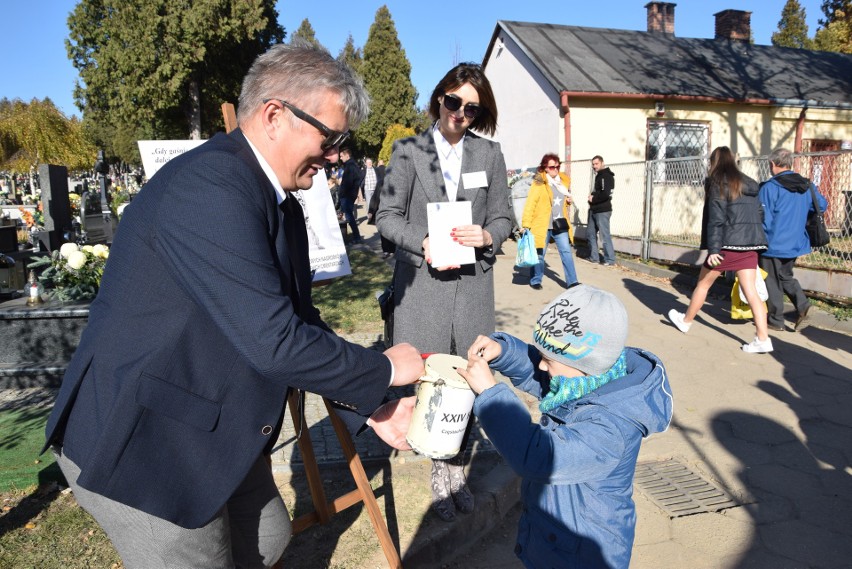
x: 527, y: 255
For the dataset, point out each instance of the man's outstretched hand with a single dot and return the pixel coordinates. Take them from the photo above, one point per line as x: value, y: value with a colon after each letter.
x: 391, y: 421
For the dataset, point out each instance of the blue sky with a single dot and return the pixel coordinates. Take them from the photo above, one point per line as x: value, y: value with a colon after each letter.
x: 435, y: 35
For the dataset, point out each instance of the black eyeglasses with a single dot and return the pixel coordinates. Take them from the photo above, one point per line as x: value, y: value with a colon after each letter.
x: 452, y: 103
x: 332, y: 137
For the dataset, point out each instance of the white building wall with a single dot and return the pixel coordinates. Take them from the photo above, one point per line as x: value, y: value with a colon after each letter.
x: 528, y: 123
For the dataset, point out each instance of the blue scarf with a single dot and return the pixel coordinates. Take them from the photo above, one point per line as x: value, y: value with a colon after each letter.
x: 564, y: 389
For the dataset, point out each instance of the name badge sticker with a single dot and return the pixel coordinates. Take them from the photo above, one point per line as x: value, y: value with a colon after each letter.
x: 472, y: 180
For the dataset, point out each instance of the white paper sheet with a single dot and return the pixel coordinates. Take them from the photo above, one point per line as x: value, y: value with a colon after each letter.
x: 155, y: 153
x: 443, y: 217
x: 328, y: 253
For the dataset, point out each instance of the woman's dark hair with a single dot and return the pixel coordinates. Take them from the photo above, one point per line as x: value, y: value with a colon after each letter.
x: 724, y: 173
x: 547, y: 158
x: 472, y: 73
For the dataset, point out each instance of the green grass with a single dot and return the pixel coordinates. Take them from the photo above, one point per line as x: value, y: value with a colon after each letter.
x: 348, y: 305
x: 46, y: 529
x: 21, y: 440
x: 40, y: 527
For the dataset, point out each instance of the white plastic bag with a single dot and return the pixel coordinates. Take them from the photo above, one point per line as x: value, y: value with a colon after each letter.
x: 759, y: 284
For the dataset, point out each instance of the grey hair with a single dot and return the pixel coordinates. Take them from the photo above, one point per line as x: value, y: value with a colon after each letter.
x: 782, y: 157
x: 297, y: 73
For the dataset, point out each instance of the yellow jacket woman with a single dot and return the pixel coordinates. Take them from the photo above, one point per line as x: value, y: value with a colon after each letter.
x: 546, y: 214
x: 537, y: 210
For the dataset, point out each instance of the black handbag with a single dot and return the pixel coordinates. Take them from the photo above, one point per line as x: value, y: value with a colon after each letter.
x: 386, y: 305
x: 560, y: 225
x: 815, y: 226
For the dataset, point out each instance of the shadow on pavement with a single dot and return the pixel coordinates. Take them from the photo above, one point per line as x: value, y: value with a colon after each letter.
x: 803, y: 488
x: 660, y: 301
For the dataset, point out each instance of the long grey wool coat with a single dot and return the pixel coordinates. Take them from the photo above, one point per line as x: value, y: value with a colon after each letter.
x: 434, y: 310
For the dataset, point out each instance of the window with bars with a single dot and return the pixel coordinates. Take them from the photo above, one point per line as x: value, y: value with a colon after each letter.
x: 677, y: 139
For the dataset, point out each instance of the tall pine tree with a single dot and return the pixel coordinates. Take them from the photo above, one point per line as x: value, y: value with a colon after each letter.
x: 387, y: 76
x: 163, y: 68
x: 306, y: 34
x: 792, y: 28
x: 830, y: 9
x: 351, y: 55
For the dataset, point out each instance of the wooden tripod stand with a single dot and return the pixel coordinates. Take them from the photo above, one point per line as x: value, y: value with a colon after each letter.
x: 323, y: 509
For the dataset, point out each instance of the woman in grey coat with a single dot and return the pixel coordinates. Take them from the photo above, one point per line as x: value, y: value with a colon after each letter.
x: 444, y: 309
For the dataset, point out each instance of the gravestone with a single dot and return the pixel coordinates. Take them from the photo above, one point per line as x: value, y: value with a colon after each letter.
x: 98, y: 229
x: 57, y: 207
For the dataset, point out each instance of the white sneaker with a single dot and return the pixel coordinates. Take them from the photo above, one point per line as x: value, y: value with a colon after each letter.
x: 758, y: 347
x: 677, y: 319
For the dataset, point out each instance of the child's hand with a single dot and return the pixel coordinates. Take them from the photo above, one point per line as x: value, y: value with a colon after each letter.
x: 478, y: 375
x: 484, y: 347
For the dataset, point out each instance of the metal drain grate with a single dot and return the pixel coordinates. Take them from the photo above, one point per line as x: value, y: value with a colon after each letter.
x: 678, y: 490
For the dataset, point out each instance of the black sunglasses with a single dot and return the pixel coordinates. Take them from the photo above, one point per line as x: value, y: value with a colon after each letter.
x: 452, y: 103
x: 332, y: 137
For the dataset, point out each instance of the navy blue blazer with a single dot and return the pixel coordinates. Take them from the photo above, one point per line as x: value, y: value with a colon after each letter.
x: 180, y: 378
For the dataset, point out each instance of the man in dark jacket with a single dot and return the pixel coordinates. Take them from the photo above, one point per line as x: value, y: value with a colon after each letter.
x: 350, y: 183
x: 600, y: 210
x: 787, y: 201
x: 204, y: 322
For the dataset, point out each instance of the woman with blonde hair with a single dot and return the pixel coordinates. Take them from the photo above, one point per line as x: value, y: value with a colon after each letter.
x: 732, y: 233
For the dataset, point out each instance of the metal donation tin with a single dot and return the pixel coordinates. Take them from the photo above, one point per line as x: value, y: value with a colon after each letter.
x: 444, y: 403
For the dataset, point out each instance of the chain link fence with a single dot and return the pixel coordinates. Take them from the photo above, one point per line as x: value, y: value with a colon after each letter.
x: 661, y: 201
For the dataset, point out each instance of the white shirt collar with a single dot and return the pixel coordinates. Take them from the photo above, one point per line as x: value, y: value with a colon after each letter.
x: 267, y: 169
x: 450, y: 158
x: 445, y: 149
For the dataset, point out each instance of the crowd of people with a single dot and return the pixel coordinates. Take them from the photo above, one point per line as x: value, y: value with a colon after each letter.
x: 167, y: 446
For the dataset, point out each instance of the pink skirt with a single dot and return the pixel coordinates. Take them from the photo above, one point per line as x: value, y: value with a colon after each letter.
x: 735, y: 261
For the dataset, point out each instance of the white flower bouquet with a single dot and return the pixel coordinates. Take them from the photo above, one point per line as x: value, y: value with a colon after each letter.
x: 73, y: 273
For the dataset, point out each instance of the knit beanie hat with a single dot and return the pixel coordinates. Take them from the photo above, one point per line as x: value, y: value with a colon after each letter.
x: 584, y: 328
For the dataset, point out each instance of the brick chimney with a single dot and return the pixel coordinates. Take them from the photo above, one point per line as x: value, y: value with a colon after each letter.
x: 733, y: 25
x: 660, y: 17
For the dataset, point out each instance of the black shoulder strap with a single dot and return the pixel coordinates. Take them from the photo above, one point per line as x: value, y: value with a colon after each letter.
x: 813, y: 197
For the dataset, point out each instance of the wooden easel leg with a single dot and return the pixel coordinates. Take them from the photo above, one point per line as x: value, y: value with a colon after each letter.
x: 364, y: 488
x: 306, y: 447
x: 364, y: 492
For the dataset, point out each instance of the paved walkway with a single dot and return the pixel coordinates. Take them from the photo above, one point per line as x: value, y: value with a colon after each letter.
x: 771, y: 431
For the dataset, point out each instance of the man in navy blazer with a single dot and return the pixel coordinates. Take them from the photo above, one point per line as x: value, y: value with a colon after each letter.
x: 204, y: 321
